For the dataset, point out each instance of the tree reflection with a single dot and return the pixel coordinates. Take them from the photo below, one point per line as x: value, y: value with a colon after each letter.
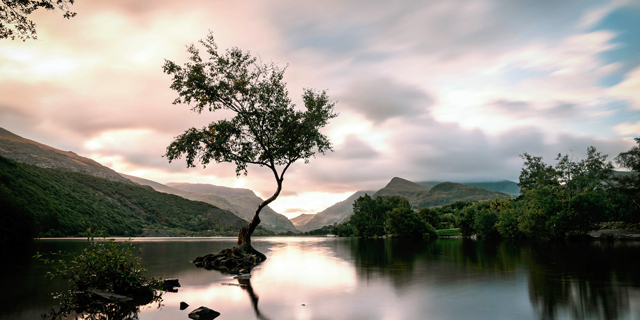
x: 577, y: 280
x: 246, y: 285
x: 588, y: 280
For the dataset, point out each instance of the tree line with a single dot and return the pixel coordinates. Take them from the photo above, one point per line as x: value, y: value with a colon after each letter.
x: 559, y: 201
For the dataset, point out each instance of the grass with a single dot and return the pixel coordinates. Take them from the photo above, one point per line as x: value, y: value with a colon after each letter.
x: 448, y: 232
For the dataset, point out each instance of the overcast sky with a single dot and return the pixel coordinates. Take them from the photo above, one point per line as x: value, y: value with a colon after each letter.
x: 448, y: 90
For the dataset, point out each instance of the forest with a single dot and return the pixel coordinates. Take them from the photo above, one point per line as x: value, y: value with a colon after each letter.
x: 560, y: 201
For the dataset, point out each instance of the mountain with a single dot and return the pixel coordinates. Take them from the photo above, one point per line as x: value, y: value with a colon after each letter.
x: 302, y: 219
x: 449, y: 192
x: 504, y: 186
x: 404, y: 188
x: 420, y: 195
x: 244, y: 203
x: 333, y: 214
x: 30, y: 152
x: 213, y: 199
x: 54, y: 202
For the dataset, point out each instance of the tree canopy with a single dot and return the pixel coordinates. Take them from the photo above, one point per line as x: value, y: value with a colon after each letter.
x: 14, y: 22
x: 266, y: 130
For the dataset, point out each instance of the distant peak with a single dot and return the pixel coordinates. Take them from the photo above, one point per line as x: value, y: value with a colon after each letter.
x: 399, y: 182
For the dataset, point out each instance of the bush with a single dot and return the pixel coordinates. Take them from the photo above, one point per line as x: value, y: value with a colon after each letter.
x: 404, y: 222
x: 465, y: 221
x: 103, y: 265
x: 485, y: 224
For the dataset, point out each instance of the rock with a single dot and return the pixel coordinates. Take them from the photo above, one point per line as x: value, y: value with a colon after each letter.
x: 183, y: 305
x: 170, y: 284
x: 110, y: 296
x: 142, y: 294
x: 203, y: 313
x: 243, y: 276
x: 230, y: 260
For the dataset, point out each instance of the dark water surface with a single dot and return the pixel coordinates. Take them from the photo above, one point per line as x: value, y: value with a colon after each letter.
x: 343, y: 278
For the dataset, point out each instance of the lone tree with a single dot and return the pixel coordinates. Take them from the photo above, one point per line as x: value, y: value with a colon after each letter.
x: 13, y: 16
x: 267, y: 130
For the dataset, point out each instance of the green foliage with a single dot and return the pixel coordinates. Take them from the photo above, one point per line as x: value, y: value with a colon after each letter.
x: 628, y: 185
x: 567, y: 199
x: 465, y: 220
x: 103, y: 265
x: 507, y: 224
x: 431, y: 216
x: 405, y: 223
x: 385, y: 215
x: 50, y: 202
x: 453, y: 232
x: 370, y: 215
x: 485, y: 223
x: 13, y: 16
x: 266, y: 129
x: 344, y: 229
x: 536, y: 173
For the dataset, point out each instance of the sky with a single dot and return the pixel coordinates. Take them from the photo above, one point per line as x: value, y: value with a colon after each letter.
x: 450, y: 90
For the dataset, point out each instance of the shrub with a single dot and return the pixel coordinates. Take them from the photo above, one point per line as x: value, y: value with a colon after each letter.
x: 103, y: 265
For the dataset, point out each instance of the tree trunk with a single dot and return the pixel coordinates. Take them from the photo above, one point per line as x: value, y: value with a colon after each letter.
x: 244, y: 236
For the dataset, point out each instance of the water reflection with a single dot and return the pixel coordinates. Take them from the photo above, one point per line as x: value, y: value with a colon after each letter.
x: 337, y: 278
x: 253, y: 296
x: 586, y: 280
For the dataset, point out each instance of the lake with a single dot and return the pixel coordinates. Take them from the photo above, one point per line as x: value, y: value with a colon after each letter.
x: 347, y: 278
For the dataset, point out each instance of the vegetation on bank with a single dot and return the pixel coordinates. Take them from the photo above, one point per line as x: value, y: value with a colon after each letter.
x: 562, y: 201
x: 105, y: 267
x: 50, y: 203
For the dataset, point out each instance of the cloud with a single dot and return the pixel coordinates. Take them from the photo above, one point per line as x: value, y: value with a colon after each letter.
x: 628, y: 128
x: 355, y: 149
x: 381, y: 99
x: 452, y: 90
x: 628, y: 89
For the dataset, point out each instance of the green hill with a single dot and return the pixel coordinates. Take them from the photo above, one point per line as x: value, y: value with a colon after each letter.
x: 50, y: 202
x: 504, y: 186
x: 449, y: 192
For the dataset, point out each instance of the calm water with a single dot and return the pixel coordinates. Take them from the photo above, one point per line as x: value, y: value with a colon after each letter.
x: 337, y: 278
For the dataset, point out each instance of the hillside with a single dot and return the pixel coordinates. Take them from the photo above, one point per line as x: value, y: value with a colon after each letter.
x: 30, y: 152
x: 52, y: 202
x: 215, y: 200
x: 333, y: 214
x: 404, y: 188
x: 301, y: 219
x: 244, y: 203
x: 449, y: 192
x: 504, y: 186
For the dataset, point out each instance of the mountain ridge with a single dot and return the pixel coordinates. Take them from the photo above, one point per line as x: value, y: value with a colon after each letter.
x: 17, y: 148
x: 419, y: 194
x: 244, y: 201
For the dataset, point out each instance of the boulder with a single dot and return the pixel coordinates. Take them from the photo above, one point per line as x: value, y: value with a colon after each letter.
x: 170, y: 285
x: 230, y: 260
x: 203, y: 313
